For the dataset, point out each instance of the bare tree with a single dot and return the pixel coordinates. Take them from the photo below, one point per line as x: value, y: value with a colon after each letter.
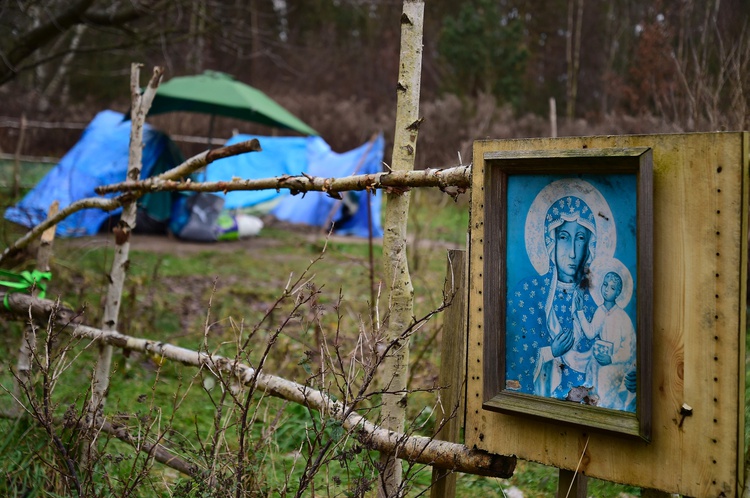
x: 712, y: 60
x: 33, y: 27
x: 573, y: 55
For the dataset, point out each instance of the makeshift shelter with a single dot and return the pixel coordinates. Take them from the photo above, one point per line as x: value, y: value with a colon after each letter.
x: 313, y: 156
x: 99, y: 158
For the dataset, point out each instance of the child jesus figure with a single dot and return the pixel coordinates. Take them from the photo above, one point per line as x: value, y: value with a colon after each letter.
x: 613, y: 353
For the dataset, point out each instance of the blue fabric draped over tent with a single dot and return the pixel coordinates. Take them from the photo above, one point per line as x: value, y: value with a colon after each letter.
x: 311, y: 155
x: 99, y: 158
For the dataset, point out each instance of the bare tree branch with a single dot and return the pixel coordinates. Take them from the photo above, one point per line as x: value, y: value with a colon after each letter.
x: 452, y: 180
x: 191, y: 165
x: 56, y: 24
x: 419, y: 449
x: 131, y: 12
x: 157, y: 451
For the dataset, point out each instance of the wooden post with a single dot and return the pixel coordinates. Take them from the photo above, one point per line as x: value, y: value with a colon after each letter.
x: 28, y: 342
x: 450, y: 414
x: 553, y: 117
x: 120, y: 261
x: 44, y: 254
x: 571, y: 485
x: 17, y: 158
x: 394, y: 369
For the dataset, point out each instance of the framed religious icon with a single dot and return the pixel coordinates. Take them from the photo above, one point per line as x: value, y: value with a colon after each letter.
x: 568, y: 286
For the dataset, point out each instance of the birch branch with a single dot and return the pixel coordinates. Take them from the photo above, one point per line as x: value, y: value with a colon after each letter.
x: 34, y: 233
x: 140, y: 106
x: 40, y: 309
x: 395, y: 367
x: 154, y: 450
x: 453, y: 181
x: 191, y: 165
x: 419, y: 449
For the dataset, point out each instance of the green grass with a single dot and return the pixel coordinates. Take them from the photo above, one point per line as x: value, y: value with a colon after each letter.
x: 171, y: 296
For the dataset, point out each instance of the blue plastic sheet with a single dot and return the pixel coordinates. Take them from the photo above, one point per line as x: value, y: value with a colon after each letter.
x: 311, y: 155
x: 100, y: 157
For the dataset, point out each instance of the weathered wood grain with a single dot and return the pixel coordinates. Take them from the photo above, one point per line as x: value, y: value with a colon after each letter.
x: 450, y: 413
x: 700, y: 247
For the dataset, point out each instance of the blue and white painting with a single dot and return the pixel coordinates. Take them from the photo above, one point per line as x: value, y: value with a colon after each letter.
x: 571, y: 287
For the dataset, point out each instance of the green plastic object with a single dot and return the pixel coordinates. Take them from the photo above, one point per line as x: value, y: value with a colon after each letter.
x: 20, y: 282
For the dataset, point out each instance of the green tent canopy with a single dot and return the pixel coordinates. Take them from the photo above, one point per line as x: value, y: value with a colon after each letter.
x: 217, y: 93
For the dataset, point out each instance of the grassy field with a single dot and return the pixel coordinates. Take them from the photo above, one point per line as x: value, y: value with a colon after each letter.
x: 220, y: 298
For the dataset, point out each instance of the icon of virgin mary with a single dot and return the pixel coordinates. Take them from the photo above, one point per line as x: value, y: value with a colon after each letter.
x: 567, y: 226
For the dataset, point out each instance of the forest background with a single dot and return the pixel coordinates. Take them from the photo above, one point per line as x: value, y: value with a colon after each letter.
x: 490, y: 67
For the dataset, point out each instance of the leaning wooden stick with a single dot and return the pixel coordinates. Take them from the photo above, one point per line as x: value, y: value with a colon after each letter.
x: 185, y: 169
x: 120, y: 263
x: 156, y: 451
x: 191, y: 165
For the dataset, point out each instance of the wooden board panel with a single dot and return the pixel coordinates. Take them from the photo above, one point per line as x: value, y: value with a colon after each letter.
x: 700, y: 247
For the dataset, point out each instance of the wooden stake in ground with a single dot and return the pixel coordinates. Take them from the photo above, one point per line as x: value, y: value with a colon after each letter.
x: 28, y: 342
x: 449, y: 416
x: 139, y: 109
x: 395, y: 367
x: 17, y: 159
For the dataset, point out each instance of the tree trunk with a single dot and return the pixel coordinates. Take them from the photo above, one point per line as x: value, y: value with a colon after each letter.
x: 56, y: 82
x: 573, y: 46
x: 256, y: 64
x: 17, y: 159
x: 197, y: 35
x: 395, y: 367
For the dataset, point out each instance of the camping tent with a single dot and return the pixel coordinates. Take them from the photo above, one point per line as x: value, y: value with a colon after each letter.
x: 311, y: 155
x: 100, y: 157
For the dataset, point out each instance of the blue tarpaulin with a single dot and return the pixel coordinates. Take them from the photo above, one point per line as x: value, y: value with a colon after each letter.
x: 280, y: 156
x: 99, y: 158
x: 311, y: 155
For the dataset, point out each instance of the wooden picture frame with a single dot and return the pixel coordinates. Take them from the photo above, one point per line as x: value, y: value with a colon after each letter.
x: 567, y: 286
